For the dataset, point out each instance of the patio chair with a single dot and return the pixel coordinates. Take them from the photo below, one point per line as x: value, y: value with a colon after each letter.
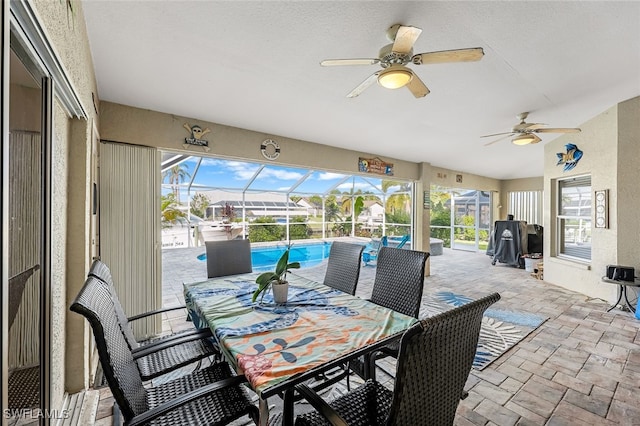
x: 343, y: 266
x: 434, y: 362
x: 230, y: 257
x: 398, y: 285
x: 160, y: 355
x: 212, y: 396
x: 399, y: 280
x: 371, y: 255
x: 403, y: 241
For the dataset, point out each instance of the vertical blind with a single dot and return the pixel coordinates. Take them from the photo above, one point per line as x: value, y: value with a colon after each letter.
x: 25, y: 239
x: 526, y: 205
x: 130, y: 228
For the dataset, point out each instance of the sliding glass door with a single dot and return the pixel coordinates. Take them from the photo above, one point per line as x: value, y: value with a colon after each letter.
x: 26, y: 211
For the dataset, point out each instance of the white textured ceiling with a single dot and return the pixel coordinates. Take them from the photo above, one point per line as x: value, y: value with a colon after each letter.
x: 255, y: 65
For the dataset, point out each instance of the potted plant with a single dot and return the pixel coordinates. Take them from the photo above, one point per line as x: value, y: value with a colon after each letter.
x: 276, y: 279
x: 228, y: 213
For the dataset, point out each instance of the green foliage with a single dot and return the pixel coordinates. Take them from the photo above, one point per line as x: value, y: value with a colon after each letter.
x: 331, y: 209
x: 298, y: 229
x: 169, y: 210
x: 279, y: 276
x: 440, y: 215
x: 316, y: 200
x: 175, y: 176
x: 466, y: 234
x: 358, y: 206
x: 444, y: 234
x: 266, y: 229
x: 199, y: 204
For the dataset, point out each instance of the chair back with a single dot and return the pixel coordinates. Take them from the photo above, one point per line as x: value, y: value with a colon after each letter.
x: 101, y: 271
x: 399, y: 280
x: 435, y: 359
x: 94, y: 302
x: 343, y: 266
x: 228, y: 257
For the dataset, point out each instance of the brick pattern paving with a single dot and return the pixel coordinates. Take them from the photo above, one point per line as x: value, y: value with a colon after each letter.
x: 581, y: 367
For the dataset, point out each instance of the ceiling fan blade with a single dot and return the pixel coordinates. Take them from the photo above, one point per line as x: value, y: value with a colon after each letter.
x: 534, y: 126
x: 417, y: 87
x: 340, y: 62
x: 405, y: 39
x: 558, y: 130
x: 362, y: 86
x: 444, y: 56
x: 499, y: 139
x: 498, y: 134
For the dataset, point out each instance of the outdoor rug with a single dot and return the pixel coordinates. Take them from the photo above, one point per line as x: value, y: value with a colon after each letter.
x: 501, y: 329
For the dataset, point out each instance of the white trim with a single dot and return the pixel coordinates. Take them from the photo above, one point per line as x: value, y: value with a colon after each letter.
x: 31, y: 36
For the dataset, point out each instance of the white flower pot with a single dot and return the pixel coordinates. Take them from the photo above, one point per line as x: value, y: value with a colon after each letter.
x: 280, y: 292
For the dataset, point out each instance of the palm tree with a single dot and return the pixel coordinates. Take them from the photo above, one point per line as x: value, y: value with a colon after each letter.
x: 171, y: 214
x: 397, y: 202
x: 176, y: 175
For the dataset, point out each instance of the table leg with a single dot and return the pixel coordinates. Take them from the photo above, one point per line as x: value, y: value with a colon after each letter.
x: 626, y: 299
x: 287, y: 407
x: 620, y: 290
x: 263, y: 408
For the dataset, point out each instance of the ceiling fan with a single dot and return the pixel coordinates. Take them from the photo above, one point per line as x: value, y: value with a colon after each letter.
x: 393, y: 58
x: 525, y: 133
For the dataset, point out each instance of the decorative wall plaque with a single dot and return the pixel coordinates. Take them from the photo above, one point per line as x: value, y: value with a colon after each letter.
x: 602, y: 208
x: 196, y: 133
x: 570, y: 158
x: 270, y: 149
x: 375, y: 165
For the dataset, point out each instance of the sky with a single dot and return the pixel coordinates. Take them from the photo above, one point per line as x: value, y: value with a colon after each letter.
x: 218, y: 173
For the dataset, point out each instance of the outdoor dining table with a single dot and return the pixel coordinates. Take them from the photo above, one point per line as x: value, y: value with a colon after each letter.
x: 277, y: 346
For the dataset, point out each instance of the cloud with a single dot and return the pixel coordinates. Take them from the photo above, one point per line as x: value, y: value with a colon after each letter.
x: 280, y: 174
x: 358, y: 185
x: 330, y: 176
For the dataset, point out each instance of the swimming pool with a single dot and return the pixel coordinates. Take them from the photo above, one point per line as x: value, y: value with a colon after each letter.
x: 265, y: 258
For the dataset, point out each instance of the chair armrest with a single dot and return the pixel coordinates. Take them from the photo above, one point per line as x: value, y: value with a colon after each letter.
x: 170, y: 342
x: 185, y: 399
x: 321, y: 405
x: 157, y: 311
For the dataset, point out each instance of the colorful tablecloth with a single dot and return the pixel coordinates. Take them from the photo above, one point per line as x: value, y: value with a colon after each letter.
x: 269, y: 343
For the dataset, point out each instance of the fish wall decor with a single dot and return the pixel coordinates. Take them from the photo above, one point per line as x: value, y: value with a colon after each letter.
x: 570, y: 158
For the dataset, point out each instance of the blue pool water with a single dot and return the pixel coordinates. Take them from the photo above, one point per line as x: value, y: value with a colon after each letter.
x: 265, y: 258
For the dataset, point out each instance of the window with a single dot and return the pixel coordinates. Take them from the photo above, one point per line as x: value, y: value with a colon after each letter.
x: 574, y: 218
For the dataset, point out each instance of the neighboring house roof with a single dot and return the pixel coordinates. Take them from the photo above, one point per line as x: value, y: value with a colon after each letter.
x: 369, y: 203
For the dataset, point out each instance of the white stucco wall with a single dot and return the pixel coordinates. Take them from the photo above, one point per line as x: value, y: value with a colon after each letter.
x: 66, y: 31
x: 611, y: 146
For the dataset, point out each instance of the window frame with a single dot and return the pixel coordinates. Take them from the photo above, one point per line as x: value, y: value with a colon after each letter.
x: 560, y: 219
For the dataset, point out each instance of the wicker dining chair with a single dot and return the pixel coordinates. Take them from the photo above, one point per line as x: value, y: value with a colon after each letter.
x: 156, y: 356
x: 398, y: 285
x: 210, y: 396
x: 399, y: 280
x: 230, y: 257
x: 434, y: 362
x: 343, y: 266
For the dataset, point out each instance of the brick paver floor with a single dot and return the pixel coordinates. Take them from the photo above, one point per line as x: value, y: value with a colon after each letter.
x: 580, y: 367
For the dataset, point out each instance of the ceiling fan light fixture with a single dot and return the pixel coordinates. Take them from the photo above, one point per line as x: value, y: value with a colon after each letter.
x: 526, y: 139
x: 395, y: 77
